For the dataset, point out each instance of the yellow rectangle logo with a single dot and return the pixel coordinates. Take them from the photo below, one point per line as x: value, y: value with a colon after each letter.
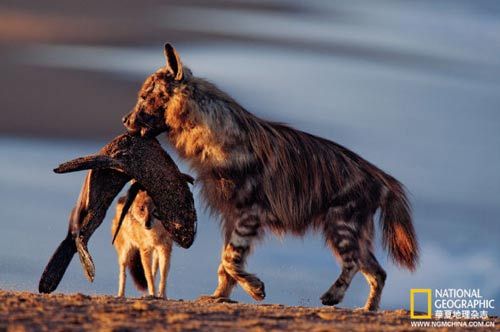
x: 427, y: 291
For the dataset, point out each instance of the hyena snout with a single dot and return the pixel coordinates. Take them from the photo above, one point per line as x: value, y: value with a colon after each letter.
x: 143, y: 123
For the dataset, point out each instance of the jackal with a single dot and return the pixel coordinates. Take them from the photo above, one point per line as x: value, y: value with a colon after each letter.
x: 143, y: 245
x: 264, y: 176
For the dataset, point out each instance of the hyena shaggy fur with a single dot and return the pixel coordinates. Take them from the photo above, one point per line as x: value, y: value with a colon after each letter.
x: 143, y: 245
x: 263, y: 176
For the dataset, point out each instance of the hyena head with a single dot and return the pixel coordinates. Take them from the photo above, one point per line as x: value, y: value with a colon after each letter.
x: 157, y: 94
x: 143, y: 209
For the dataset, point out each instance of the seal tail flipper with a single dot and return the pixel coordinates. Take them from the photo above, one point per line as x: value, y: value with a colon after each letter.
x: 57, y: 265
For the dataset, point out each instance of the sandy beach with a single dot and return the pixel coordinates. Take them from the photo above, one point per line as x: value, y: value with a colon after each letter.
x: 410, y: 86
x: 23, y: 311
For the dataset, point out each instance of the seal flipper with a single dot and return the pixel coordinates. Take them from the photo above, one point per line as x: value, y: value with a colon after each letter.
x: 132, y: 193
x: 57, y: 265
x: 89, y: 162
x: 85, y: 259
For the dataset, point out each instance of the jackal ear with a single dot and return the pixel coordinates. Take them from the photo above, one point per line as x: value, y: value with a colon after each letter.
x: 174, y: 64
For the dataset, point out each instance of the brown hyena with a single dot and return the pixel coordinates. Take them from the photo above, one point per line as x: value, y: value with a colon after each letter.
x: 259, y: 175
x: 143, y: 245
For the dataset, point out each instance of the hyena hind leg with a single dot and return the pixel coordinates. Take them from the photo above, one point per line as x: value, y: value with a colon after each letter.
x: 342, y: 238
x: 375, y: 276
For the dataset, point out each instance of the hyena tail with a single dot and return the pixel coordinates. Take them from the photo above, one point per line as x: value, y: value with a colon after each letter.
x: 137, y: 271
x: 398, y: 234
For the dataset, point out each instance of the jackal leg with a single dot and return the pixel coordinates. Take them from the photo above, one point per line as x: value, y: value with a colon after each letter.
x: 146, y: 259
x: 164, y: 264
x: 123, y: 260
x: 238, y: 246
x: 122, y: 279
x: 155, y: 263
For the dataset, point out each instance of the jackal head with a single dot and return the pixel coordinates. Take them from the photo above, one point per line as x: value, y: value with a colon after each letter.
x: 156, y: 96
x: 143, y: 209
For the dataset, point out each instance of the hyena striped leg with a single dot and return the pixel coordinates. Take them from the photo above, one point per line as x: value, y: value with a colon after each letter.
x: 342, y: 238
x: 375, y: 276
x: 226, y: 283
x: 234, y: 256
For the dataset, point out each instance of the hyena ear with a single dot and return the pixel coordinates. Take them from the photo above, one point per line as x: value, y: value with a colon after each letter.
x: 174, y: 64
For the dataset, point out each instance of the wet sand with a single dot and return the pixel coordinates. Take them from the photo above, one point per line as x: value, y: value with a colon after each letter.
x: 23, y: 311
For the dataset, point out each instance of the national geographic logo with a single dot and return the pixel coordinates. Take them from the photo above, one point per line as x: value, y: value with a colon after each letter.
x: 451, y: 303
x: 427, y: 292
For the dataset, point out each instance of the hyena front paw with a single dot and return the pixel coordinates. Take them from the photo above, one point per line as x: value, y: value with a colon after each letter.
x: 370, y: 307
x: 256, y: 289
x: 332, y: 297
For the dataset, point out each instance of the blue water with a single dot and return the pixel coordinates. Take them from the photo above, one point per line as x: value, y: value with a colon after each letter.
x: 411, y: 86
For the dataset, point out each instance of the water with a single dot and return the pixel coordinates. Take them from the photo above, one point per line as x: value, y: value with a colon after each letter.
x: 411, y: 87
